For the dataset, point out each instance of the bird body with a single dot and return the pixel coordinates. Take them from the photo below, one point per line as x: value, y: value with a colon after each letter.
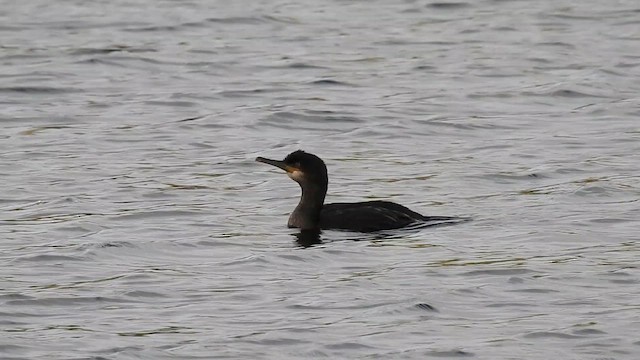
x: 371, y: 216
x: 310, y: 172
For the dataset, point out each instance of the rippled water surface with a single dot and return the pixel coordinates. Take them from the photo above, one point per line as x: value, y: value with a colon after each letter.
x: 135, y: 224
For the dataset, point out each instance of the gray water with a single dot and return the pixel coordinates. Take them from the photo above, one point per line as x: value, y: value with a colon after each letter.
x: 134, y: 223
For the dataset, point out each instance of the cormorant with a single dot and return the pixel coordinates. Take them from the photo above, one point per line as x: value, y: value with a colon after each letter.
x: 312, y: 213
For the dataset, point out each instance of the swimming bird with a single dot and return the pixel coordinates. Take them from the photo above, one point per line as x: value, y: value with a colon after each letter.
x: 310, y: 172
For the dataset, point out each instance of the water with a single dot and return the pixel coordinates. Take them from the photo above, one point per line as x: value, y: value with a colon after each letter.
x: 136, y: 225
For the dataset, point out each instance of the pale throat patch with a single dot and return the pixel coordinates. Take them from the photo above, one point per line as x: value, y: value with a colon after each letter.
x: 296, y: 175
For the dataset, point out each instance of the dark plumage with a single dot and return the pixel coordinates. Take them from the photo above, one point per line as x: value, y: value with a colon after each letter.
x: 372, y: 216
x: 311, y: 213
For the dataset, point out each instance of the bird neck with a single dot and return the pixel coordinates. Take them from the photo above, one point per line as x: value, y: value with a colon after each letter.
x: 307, y: 214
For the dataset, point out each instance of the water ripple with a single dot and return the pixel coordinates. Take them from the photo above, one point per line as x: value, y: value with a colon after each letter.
x: 135, y: 223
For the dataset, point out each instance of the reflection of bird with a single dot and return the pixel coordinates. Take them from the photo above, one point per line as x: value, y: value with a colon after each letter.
x: 310, y: 172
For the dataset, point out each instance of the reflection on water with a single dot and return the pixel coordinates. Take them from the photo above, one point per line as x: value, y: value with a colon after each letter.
x: 307, y: 238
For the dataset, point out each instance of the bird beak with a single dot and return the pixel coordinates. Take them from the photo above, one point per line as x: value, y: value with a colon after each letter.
x: 277, y: 163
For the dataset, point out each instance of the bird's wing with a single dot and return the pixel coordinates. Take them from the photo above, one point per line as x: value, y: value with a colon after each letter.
x: 366, y: 216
